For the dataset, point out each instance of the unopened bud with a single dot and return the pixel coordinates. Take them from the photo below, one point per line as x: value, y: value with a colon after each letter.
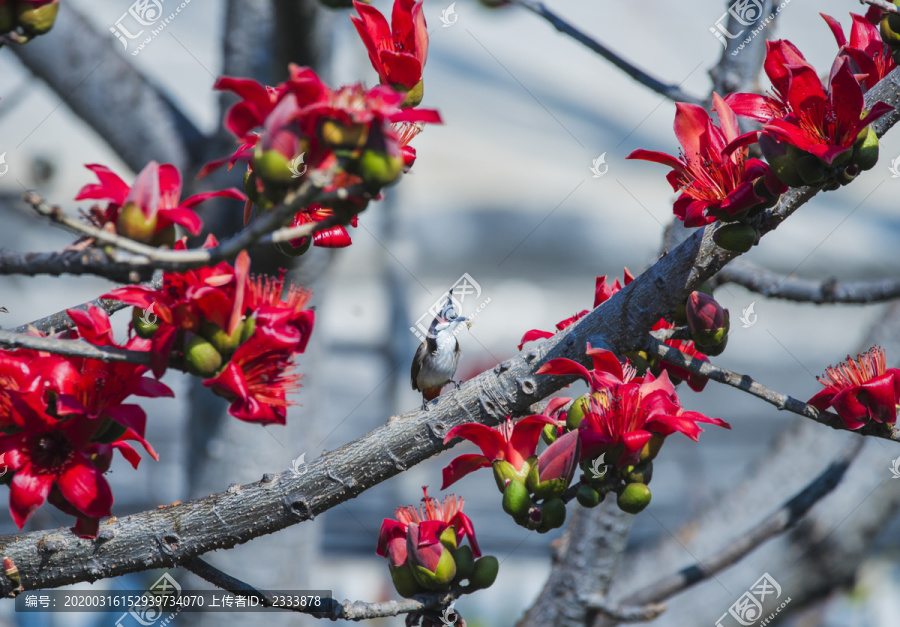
x: 865, y: 150
x: 736, y: 237
x: 706, y: 319
x: 404, y: 582
x: 37, y: 18
x: 516, y: 499
x: 413, y: 96
x: 485, y: 573
x: 465, y: 563
x: 272, y: 167
x: 634, y: 498
x: 201, y: 357
x: 144, y: 324
x: 588, y: 496
x: 134, y: 224
x: 224, y: 343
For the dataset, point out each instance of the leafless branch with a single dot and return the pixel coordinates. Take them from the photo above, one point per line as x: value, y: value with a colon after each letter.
x: 672, y: 92
x: 101, y: 86
x: 73, y: 348
x: 172, y: 534
x: 60, y: 321
x: 778, y: 399
x: 772, y: 526
x: 775, y: 285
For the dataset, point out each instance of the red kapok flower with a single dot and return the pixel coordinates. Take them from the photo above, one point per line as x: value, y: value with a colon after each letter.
x: 625, y: 409
x: 397, y: 51
x: 256, y: 381
x: 861, y: 390
x: 870, y: 55
x: 825, y: 122
x: 156, y: 192
x: 714, y: 182
x: 511, y: 442
x: 448, y: 513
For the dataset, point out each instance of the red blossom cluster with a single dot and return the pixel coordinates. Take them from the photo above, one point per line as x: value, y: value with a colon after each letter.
x: 812, y: 134
x: 62, y: 418
x: 229, y: 327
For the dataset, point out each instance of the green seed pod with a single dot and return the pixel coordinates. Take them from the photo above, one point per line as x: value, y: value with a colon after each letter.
x: 634, y: 498
x: 516, y: 499
x: 642, y: 473
x: 736, y: 237
x: 865, y: 150
x: 486, y: 569
x: 201, y: 357
x: 405, y: 583
x: 588, y: 496
x: 465, y: 563
x: 553, y: 515
x: 548, y: 434
x: 144, y: 324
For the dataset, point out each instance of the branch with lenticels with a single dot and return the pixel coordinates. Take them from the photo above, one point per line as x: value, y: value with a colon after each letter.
x: 170, y: 535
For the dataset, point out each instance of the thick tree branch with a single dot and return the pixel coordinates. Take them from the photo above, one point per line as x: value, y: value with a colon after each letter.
x: 775, y: 285
x: 772, y: 526
x: 166, y: 536
x: 101, y: 87
x: 888, y: 7
x: 672, y: 92
x: 778, y: 399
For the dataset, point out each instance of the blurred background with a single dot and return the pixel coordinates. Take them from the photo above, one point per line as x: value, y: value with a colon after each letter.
x: 501, y: 192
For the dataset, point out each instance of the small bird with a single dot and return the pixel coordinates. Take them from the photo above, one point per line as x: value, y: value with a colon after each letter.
x: 435, y: 362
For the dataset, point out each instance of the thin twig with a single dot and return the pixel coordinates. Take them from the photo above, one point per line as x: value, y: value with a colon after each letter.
x: 672, y: 92
x: 73, y: 348
x: 781, y: 401
x: 346, y: 610
x: 887, y: 7
x: 772, y: 526
x: 145, y: 257
x: 774, y: 285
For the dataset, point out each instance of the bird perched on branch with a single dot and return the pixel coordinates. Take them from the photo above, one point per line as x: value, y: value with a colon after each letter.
x: 436, y: 359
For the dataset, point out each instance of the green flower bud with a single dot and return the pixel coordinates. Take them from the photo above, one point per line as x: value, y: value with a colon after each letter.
x: 250, y: 186
x: 144, y: 325
x: 642, y: 473
x: 224, y: 343
x: 588, y: 496
x: 132, y: 223
x: 865, y: 150
x: 652, y: 447
x: 271, y: 166
x: 343, y: 137
x: 413, y: 96
x: 485, y: 573
x: 782, y: 158
x: 201, y: 358
x: 548, y: 434
x: 505, y: 473
x: 634, y: 498
x: 553, y: 515
x: 516, y: 499
x: 736, y: 237
x: 378, y: 168
x: 248, y: 328
x: 37, y: 18
x: 405, y: 583
x: 575, y: 413
x: 442, y: 575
